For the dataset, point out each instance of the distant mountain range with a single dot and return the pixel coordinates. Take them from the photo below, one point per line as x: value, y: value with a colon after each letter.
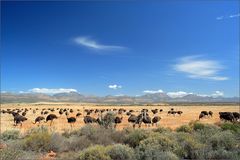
x: 76, y: 97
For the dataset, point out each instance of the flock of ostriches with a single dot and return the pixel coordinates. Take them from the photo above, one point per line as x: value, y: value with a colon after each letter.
x: 19, y: 115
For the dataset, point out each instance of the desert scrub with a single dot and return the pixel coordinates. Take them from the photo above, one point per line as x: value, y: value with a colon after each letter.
x: 234, y: 127
x: 191, y: 148
x: 223, y: 140
x: 149, y: 148
x: 162, y: 130
x: 37, y: 141
x: 134, y: 137
x: 10, y: 135
x: 184, y: 128
x: 120, y: 152
x: 10, y: 154
x: 96, y: 152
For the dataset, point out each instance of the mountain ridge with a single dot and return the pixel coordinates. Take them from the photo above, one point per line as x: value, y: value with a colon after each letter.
x: 121, y: 99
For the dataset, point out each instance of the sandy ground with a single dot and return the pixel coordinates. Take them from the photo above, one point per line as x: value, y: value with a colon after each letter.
x: 190, y: 113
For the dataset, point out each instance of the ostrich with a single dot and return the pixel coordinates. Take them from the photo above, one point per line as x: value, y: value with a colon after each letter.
x: 19, y: 119
x: 155, y: 120
x: 210, y: 113
x: 89, y: 119
x: 117, y: 120
x: 146, y: 119
x: 201, y: 115
x: 132, y: 119
x: 78, y: 114
x: 39, y: 119
x: 179, y: 112
x: 71, y: 120
x: 155, y: 111
x: 24, y: 113
x: 51, y: 117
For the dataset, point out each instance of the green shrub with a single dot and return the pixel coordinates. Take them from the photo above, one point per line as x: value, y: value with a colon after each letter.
x: 223, y: 140
x: 222, y: 154
x: 234, y: 127
x: 40, y: 129
x: 120, y: 152
x: 191, y: 148
x: 72, y: 155
x: 150, y: 147
x: 162, y: 130
x: 198, y: 126
x: 108, y: 120
x: 37, y: 141
x: 10, y: 135
x: 75, y: 143
x: 96, y: 152
x: 184, y: 128
x: 134, y: 137
x: 10, y: 154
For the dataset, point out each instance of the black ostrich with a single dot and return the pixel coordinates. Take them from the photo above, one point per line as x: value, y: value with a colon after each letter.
x: 24, y: 113
x: 210, y: 113
x: 146, y: 119
x: 39, y: 119
x: 117, y: 120
x: 179, y: 113
x: 132, y: 119
x: 154, y: 111
x: 78, y: 114
x: 71, y: 120
x: 51, y: 117
x: 155, y: 120
x: 201, y: 115
x: 61, y: 112
x: 19, y: 119
x: 89, y: 119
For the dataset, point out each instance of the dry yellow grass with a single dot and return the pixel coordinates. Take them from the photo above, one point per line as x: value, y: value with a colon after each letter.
x: 189, y: 113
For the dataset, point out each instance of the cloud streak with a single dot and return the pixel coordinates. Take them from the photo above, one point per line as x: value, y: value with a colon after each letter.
x: 153, y: 91
x: 114, y: 86
x: 52, y: 91
x: 180, y: 94
x: 90, y: 43
x: 197, y: 68
x: 228, y: 17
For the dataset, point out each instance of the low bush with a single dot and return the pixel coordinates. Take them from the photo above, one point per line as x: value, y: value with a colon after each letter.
x: 120, y: 152
x: 75, y: 143
x: 234, y: 127
x: 149, y: 148
x: 162, y: 130
x: 191, y: 148
x: 37, y: 141
x: 72, y: 155
x: 96, y: 152
x: 10, y: 154
x: 10, y: 135
x: 184, y: 128
x: 134, y: 137
x: 223, y: 140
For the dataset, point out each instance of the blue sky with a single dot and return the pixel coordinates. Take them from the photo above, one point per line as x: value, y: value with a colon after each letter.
x: 114, y: 48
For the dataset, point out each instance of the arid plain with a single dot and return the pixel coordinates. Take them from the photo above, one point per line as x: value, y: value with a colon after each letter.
x: 190, y: 113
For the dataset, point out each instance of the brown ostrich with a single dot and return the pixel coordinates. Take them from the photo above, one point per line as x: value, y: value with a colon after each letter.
x: 51, y: 117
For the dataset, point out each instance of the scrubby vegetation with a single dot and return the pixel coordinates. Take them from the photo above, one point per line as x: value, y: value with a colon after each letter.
x: 193, y: 141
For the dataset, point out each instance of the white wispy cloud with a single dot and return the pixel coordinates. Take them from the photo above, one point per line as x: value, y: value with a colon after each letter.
x: 217, y: 94
x: 196, y: 67
x: 178, y: 94
x: 115, y: 86
x: 52, y: 91
x: 93, y: 44
x: 153, y: 91
x: 229, y: 16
